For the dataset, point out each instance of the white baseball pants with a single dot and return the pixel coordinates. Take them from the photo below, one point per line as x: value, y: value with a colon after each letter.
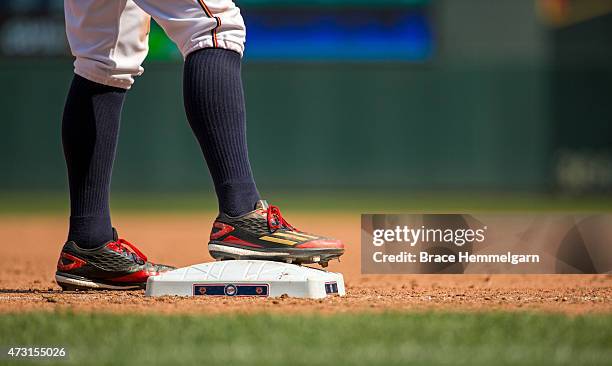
x: 109, y: 38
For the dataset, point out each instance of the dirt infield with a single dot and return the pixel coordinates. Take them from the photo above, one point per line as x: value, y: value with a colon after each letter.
x: 31, y: 245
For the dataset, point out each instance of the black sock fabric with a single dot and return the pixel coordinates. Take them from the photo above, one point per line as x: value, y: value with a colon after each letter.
x: 214, y: 102
x: 90, y: 127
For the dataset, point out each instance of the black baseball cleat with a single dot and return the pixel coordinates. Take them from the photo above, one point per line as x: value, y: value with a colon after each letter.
x: 264, y: 234
x: 117, y: 265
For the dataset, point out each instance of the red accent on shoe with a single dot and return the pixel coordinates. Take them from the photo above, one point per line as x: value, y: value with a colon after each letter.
x: 234, y: 240
x: 76, y: 262
x: 122, y: 245
x: 224, y: 229
x: 276, y: 220
x: 136, y: 277
x: 322, y: 244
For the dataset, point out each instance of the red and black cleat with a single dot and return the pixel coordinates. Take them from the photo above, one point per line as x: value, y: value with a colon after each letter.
x: 117, y: 265
x: 265, y: 234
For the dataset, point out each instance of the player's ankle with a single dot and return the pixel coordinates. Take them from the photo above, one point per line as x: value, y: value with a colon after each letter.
x: 90, y: 232
x: 236, y: 199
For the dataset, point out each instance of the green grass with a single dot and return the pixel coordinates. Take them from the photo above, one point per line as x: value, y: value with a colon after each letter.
x: 345, y: 339
x: 12, y: 203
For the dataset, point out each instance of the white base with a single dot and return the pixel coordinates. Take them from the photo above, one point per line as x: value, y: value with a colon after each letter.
x: 247, y: 278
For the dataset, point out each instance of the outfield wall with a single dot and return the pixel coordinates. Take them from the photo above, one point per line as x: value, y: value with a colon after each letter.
x: 477, y: 115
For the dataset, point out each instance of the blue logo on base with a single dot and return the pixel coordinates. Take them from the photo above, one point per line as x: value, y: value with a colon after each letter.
x: 230, y: 289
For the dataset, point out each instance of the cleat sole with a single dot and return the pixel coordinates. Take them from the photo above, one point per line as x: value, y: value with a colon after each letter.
x: 296, y: 256
x: 69, y: 283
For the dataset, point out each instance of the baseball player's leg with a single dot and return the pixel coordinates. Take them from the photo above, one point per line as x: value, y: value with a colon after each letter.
x: 214, y: 101
x: 108, y: 39
x: 210, y: 35
x: 89, y: 134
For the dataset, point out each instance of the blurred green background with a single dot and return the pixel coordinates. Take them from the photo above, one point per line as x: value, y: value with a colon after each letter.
x: 514, y: 100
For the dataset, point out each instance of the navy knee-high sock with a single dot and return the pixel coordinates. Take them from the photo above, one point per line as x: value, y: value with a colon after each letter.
x: 214, y: 102
x: 90, y: 127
